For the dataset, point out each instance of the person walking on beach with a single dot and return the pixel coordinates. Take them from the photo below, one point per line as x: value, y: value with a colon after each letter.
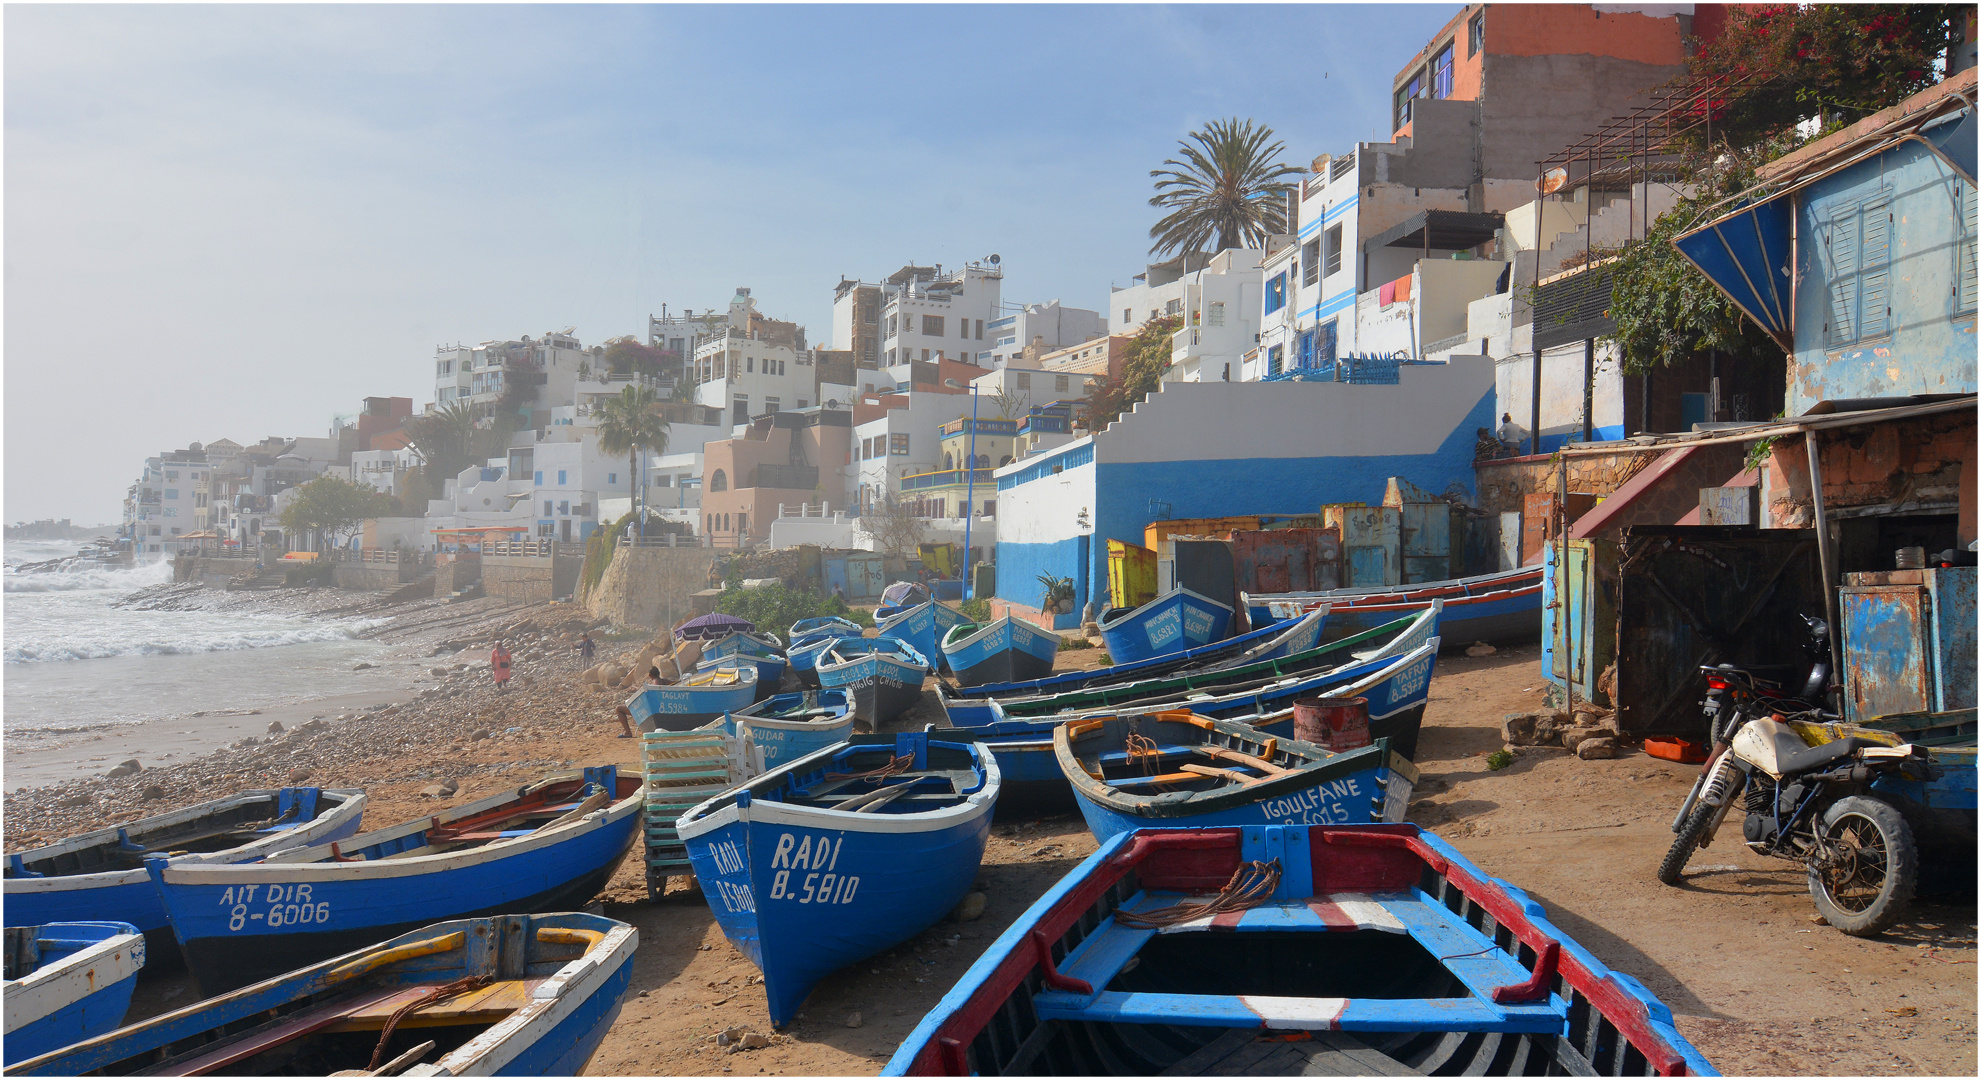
x: 586, y: 648
x: 498, y: 663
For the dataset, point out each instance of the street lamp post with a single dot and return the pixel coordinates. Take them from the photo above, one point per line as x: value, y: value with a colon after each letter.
x: 969, y: 490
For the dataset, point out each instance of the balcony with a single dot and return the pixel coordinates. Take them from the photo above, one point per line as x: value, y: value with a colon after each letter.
x: 984, y: 427
x: 946, y: 478
x: 783, y: 477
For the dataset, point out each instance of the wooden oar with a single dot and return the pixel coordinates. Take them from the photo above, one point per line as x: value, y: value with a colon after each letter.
x: 1223, y: 753
x: 1227, y: 774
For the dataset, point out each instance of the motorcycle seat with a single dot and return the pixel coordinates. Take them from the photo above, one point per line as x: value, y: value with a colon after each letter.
x: 1809, y: 758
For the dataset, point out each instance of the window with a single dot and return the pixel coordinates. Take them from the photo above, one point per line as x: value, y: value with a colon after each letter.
x: 171, y: 511
x: 1306, y: 351
x: 802, y: 403
x: 171, y: 493
x: 890, y: 326
x: 546, y: 508
x: 539, y: 478
x: 1334, y: 252
x: 1859, y: 245
x: 171, y: 474
x: 1174, y: 307
x: 1441, y: 73
x: 1276, y: 293
x: 1324, y: 347
x: 948, y: 462
x: 932, y: 326
x: 749, y: 364
x: 1475, y: 34
x: 564, y: 506
x: 1021, y: 380
x: 980, y: 329
x: 1216, y: 317
x: 561, y: 481
x: 1059, y: 383
x: 1310, y: 261
x: 612, y: 478
x: 1405, y: 93
x: 925, y: 356
x: 900, y: 445
x: 772, y: 404
x: 1964, y: 254
x: 742, y: 523
x: 718, y: 481
x: 890, y: 361
x: 1127, y: 316
x: 963, y: 328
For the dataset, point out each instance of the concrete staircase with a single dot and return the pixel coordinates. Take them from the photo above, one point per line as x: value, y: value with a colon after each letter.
x: 248, y: 581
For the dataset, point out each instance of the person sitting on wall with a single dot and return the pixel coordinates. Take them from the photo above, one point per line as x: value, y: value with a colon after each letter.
x: 1510, y: 435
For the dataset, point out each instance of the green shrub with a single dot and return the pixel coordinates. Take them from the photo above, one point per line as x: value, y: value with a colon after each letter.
x: 977, y: 611
x: 1498, y: 759
x: 773, y: 608
x: 1067, y: 644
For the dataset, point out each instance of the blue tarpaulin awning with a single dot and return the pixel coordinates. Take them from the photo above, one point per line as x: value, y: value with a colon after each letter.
x: 1747, y: 255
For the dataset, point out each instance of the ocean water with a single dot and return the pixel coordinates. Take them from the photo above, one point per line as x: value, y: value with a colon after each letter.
x: 76, y: 666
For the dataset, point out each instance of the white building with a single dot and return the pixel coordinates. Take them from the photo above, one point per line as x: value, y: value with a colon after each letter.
x: 899, y: 437
x: 1011, y: 392
x: 1218, y: 297
x: 1043, y: 328
x: 480, y: 374
x: 924, y: 313
x: 749, y: 365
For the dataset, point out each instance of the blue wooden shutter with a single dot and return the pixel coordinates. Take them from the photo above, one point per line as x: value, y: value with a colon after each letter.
x: 1307, y: 349
x: 1964, y: 265
x: 1842, y: 244
x: 1874, y: 273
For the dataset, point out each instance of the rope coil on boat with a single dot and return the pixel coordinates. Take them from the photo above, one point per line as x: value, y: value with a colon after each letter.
x: 895, y: 767
x: 430, y: 996
x: 1251, y: 884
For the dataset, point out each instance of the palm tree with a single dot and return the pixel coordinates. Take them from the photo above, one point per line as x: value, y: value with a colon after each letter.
x: 629, y: 424
x: 445, y: 439
x: 1226, y: 187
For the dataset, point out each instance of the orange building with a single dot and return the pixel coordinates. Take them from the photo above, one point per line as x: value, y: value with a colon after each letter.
x: 788, y: 458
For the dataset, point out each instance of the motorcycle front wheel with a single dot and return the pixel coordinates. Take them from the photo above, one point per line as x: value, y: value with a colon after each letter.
x: 1863, y: 873
x: 1670, y: 870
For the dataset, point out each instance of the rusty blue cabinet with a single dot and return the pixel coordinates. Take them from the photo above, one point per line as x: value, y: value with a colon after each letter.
x: 1371, y: 542
x: 1908, y: 641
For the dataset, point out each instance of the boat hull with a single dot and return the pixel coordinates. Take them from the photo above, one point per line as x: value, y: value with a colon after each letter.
x: 321, y: 908
x: 685, y: 708
x: 882, y: 685
x: 924, y: 627
x: 1177, y: 620
x: 128, y: 895
x: 75, y: 996
x: 1008, y: 650
x: 1032, y: 785
x: 774, y: 741
x: 804, y: 891
x: 1509, y: 617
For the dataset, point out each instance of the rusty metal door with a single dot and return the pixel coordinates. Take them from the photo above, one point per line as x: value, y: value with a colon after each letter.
x: 1705, y: 594
x: 1887, y: 657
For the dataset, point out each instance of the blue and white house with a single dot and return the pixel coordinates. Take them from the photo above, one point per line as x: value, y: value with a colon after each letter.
x: 1217, y: 449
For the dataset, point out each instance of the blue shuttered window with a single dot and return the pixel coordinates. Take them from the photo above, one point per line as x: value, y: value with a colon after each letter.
x: 1307, y: 349
x: 1964, y: 265
x: 1859, y: 249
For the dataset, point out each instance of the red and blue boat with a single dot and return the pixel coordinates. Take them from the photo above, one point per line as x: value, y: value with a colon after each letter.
x: 1291, y: 950
x: 66, y: 982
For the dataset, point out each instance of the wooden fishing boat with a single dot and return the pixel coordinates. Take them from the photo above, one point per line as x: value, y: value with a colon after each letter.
x: 1266, y: 643
x: 1005, y: 650
x: 508, y: 995
x: 547, y: 846
x: 1502, y: 607
x: 770, y: 670
x: 1395, y: 686
x: 695, y: 700
x: 809, y: 639
x: 899, y: 597
x: 100, y: 876
x: 745, y: 643
x: 924, y: 626
x: 1180, y: 770
x: 786, y: 727
x: 66, y: 982
x: 1177, y: 620
x: 1392, y: 639
x: 1283, y: 950
x: 883, y: 675
x: 842, y: 854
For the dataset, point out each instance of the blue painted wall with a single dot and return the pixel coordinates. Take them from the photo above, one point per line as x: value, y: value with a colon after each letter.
x: 1892, y: 233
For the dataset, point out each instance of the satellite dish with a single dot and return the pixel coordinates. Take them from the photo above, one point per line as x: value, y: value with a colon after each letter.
x: 994, y: 260
x: 833, y: 404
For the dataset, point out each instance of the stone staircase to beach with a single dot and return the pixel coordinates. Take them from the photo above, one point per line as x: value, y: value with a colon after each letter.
x: 248, y: 581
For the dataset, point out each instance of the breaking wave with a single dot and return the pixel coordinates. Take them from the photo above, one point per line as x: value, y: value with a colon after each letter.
x: 84, y: 577
x: 161, y: 640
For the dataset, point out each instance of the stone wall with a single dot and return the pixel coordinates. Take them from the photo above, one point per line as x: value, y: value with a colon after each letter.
x: 650, y: 586
x: 211, y: 573
x: 525, y: 578
x: 360, y: 577
x: 1504, y: 485
x: 449, y: 577
x: 1914, y: 465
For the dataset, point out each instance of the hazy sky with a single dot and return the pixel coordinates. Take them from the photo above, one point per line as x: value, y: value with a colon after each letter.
x: 238, y: 221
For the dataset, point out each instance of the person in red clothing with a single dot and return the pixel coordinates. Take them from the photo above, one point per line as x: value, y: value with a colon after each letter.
x: 498, y: 663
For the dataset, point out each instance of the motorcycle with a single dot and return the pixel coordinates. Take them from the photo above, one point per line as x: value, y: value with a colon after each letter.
x: 1807, y: 804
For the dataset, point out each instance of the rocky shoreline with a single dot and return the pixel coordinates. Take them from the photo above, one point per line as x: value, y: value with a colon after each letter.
x: 448, y: 724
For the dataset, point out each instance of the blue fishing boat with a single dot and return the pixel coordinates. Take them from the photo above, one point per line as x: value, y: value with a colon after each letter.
x: 696, y: 700
x: 1389, y: 640
x: 1004, y: 651
x: 100, y: 876
x: 883, y: 675
x: 1177, y: 620
x: 842, y: 854
x: 547, y: 846
x: 508, y: 995
x: 924, y: 626
x: 786, y: 727
x: 1179, y: 770
x: 1502, y: 607
x: 66, y: 982
x: 770, y: 670
x: 1347, y: 950
x: 1266, y: 643
x: 744, y: 643
x: 809, y: 639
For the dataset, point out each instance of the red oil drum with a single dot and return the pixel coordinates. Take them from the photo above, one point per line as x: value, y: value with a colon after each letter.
x: 1336, y: 723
